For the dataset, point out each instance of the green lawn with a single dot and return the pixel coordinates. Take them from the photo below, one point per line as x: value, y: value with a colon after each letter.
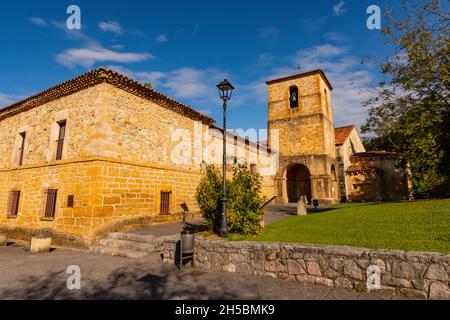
x: 408, y: 226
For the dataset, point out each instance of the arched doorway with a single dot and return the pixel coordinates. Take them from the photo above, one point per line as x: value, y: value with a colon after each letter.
x: 298, y: 183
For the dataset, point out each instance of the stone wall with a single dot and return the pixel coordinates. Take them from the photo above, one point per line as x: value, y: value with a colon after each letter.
x: 40, y: 124
x: 418, y: 275
x: 107, y: 192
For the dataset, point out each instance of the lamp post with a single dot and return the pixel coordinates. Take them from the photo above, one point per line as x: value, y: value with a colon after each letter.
x: 225, y: 93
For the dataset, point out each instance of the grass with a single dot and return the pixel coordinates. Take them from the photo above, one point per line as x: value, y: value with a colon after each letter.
x: 407, y: 226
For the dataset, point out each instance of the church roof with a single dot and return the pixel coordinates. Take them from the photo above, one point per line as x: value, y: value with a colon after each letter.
x: 342, y: 134
x: 375, y: 155
x: 301, y: 75
x: 98, y: 76
x: 360, y: 168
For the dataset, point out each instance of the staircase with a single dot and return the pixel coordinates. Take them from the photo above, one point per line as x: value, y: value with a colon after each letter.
x: 131, y: 245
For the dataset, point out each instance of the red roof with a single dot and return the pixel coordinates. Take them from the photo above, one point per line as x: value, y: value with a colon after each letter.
x: 374, y: 154
x: 360, y: 168
x: 342, y: 134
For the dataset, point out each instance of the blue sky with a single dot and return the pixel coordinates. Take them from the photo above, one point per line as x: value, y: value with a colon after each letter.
x: 184, y: 48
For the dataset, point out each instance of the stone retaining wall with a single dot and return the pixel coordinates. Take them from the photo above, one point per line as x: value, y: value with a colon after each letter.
x: 418, y: 275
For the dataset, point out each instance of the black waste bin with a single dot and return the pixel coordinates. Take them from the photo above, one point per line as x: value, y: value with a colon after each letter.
x: 187, y: 247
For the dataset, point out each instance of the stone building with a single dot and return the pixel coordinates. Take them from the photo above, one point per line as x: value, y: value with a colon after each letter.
x: 100, y: 153
x: 369, y: 176
x: 300, y: 111
x: 348, y: 142
x: 103, y: 153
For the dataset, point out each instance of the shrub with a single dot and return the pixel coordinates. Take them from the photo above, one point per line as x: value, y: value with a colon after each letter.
x: 208, y: 194
x: 244, y: 201
x: 244, y: 209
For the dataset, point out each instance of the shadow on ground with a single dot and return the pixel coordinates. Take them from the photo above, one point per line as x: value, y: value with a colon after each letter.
x: 122, y: 284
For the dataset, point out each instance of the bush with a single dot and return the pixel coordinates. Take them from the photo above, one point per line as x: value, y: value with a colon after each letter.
x: 244, y: 202
x: 244, y: 209
x: 208, y: 195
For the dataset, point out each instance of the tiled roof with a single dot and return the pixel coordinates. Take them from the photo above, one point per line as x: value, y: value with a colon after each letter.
x: 261, y: 145
x: 359, y: 168
x: 98, y: 76
x: 342, y: 134
x: 301, y: 75
x: 374, y: 154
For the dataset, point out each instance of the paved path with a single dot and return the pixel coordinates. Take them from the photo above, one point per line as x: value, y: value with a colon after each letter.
x: 30, y: 276
x: 272, y: 213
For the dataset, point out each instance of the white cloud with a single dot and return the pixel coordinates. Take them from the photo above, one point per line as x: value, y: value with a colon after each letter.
x: 189, y: 85
x: 118, y: 46
x: 94, y: 53
x: 352, y: 82
x: 7, y: 99
x: 336, y: 37
x: 112, y: 26
x: 269, y: 33
x: 38, y: 21
x: 339, y: 9
x: 162, y: 38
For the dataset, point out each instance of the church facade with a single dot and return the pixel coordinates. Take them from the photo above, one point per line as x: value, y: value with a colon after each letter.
x: 103, y: 153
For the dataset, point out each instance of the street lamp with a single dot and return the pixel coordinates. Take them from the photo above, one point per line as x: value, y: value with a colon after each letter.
x: 225, y: 93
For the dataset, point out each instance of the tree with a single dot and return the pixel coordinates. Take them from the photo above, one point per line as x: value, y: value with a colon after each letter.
x: 149, y: 86
x: 244, y: 212
x: 410, y: 114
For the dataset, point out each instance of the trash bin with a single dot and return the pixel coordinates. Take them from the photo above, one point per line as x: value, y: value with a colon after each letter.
x: 187, y: 247
x: 316, y: 203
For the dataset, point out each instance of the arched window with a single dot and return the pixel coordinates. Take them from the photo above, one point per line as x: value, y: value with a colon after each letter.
x: 293, y: 97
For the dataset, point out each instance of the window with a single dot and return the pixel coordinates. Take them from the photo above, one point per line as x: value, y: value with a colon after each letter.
x: 352, y: 146
x: 165, y: 202
x: 22, y: 148
x: 61, y: 136
x: 50, y: 204
x: 13, y: 203
x: 293, y: 97
x: 70, y: 201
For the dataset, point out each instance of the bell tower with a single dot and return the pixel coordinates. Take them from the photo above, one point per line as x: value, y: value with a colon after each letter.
x: 300, y: 112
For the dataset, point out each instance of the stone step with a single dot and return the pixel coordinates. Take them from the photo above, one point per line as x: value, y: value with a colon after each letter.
x: 116, y: 252
x: 131, y: 237
x: 128, y: 245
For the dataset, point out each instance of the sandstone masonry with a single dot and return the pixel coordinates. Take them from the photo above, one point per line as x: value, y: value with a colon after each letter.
x: 412, y: 274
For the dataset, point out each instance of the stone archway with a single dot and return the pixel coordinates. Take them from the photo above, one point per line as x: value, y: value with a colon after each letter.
x: 298, y: 179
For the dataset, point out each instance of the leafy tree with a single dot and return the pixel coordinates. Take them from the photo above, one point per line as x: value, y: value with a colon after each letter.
x: 209, y: 193
x: 244, y: 212
x: 149, y: 86
x: 410, y: 114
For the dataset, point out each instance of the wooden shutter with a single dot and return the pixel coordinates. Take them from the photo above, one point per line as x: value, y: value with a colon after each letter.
x: 62, y: 135
x: 70, y: 201
x: 165, y: 202
x: 50, y: 205
x: 13, y: 203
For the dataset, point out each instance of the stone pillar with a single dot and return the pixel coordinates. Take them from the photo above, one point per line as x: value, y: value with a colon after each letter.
x: 281, y: 192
